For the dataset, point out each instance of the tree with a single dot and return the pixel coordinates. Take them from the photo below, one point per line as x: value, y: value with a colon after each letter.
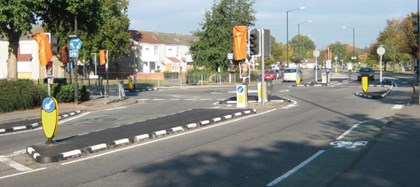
x: 215, y: 36
x: 16, y: 19
x: 341, y: 51
x: 301, y: 45
x: 397, y: 38
x: 100, y: 24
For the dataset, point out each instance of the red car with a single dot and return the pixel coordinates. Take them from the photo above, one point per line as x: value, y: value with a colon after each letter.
x: 270, y: 75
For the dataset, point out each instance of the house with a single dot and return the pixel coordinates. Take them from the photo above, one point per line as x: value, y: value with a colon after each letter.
x: 163, y: 52
x: 28, y: 66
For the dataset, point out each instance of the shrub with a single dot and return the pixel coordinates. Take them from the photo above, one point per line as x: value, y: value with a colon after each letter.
x: 20, y: 95
x: 65, y: 93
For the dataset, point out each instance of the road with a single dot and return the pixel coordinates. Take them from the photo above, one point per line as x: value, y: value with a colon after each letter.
x: 251, y: 151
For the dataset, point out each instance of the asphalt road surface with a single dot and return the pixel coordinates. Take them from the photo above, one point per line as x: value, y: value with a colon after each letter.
x: 258, y: 150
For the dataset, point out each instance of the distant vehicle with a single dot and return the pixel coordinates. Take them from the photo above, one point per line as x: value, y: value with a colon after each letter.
x: 270, y: 75
x: 366, y: 72
x: 290, y: 74
x: 278, y: 73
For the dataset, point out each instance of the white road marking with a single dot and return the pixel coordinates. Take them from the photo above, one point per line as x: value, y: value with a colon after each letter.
x: 116, y: 108
x: 295, y: 169
x: 397, y: 107
x: 22, y: 173
x: 13, y: 164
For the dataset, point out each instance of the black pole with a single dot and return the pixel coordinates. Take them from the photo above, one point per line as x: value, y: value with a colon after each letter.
x: 75, y: 67
x: 418, y: 43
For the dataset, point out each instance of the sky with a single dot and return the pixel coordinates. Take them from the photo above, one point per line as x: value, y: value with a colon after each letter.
x: 367, y: 17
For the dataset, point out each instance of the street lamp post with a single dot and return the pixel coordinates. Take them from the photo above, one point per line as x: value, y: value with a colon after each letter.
x: 354, y: 31
x: 300, y: 40
x: 287, y: 32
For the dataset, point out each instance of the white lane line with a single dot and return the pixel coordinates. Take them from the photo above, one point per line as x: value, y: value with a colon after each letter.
x: 165, y: 138
x: 295, y: 169
x: 109, y: 109
x: 397, y: 107
x: 13, y: 164
x: 22, y: 173
x: 347, y: 132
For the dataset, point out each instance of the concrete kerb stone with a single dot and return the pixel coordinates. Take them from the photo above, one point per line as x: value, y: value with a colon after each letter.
x: 131, y: 140
x: 383, y: 95
x: 35, y: 125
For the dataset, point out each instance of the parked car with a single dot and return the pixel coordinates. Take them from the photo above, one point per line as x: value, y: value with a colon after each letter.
x: 366, y: 72
x: 270, y: 75
x: 290, y: 74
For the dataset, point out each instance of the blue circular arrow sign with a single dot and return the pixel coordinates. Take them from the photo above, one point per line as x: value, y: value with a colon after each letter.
x: 75, y: 44
x: 48, y: 104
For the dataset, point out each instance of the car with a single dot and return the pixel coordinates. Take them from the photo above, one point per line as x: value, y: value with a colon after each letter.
x: 290, y: 74
x: 270, y: 75
x: 366, y: 72
x: 279, y: 73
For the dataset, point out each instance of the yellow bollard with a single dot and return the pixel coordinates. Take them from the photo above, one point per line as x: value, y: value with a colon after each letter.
x: 297, y: 80
x: 130, y: 84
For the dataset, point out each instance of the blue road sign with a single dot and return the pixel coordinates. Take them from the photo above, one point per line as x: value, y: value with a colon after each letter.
x: 240, y: 89
x: 48, y: 104
x: 75, y: 44
x: 74, y: 53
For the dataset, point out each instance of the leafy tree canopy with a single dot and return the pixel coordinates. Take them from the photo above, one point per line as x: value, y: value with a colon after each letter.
x: 215, y: 36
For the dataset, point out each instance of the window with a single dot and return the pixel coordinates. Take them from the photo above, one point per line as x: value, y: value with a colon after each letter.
x: 156, y: 50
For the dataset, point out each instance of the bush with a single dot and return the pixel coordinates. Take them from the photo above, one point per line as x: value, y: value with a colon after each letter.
x: 20, y: 95
x: 65, y: 93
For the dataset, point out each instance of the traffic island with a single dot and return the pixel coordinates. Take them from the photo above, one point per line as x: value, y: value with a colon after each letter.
x: 84, y: 144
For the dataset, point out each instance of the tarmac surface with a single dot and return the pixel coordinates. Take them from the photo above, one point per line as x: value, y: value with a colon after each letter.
x: 396, y: 145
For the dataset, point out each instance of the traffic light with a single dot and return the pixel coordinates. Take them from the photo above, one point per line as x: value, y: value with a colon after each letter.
x: 64, y: 55
x: 54, y: 45
x: 254, y: 42
x: 415, y: 21
x: 102, y: 57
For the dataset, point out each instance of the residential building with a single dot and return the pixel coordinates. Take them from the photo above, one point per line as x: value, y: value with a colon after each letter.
x: 163, y: 52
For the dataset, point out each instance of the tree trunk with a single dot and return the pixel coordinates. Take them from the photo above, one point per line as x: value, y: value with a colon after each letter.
x: 12, y: 61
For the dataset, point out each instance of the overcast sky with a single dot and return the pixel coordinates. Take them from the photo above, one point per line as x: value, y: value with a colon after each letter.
x: 368, y: 17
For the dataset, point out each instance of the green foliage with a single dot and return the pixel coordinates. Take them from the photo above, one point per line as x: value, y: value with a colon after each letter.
x: 20, y: 95
x: 341, y: 51
x: 100, y: 24
x: 215, y: 36
x: 301, y: 45
x: 65, y: 93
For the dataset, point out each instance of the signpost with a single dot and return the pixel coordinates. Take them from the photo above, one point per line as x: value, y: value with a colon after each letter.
x: 75, y: 45
x: 49, y: 118
x: 381, y: 52
x: 316, y: 55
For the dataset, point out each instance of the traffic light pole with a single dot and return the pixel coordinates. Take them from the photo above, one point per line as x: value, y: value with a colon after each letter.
x: 418, y: 43
x: 261, y: 38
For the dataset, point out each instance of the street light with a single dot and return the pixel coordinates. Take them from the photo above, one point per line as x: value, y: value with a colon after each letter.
x: 300, y: 41
x: 287, y: 32
x: 345, y: 27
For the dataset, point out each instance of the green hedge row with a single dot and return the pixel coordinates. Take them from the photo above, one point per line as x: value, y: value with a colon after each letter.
x: 20, y: 95
x: 25, y: 94
x: 64, y: 93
